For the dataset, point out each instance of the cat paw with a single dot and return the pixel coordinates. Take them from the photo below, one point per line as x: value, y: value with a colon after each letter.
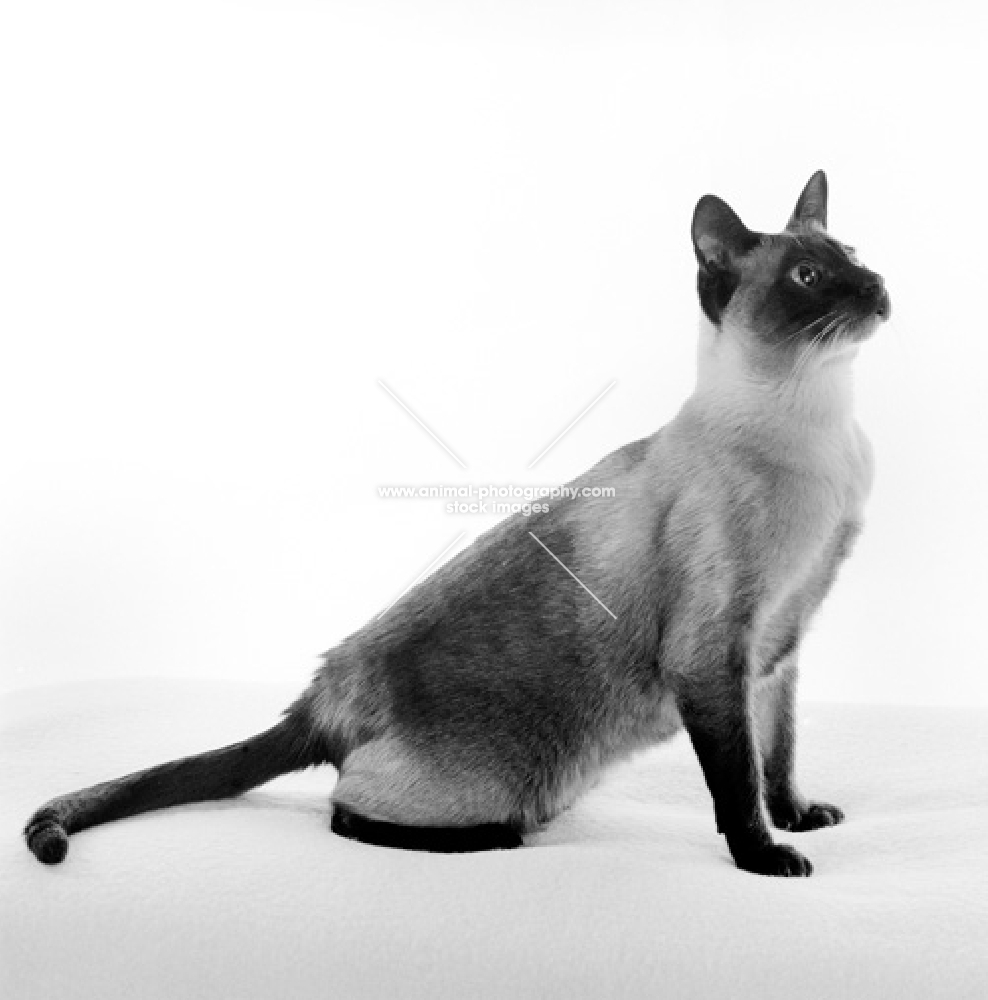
x: 779, y: 860
x: 799, y: 817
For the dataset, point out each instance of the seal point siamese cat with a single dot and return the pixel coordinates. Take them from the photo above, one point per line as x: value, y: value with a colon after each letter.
x: 495, y: 692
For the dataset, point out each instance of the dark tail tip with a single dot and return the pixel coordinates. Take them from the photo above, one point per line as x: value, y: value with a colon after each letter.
x: 47, y: 840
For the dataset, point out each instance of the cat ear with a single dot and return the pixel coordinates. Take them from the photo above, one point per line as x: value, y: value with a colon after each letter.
x: 719, y: 235
x: 812, y: 205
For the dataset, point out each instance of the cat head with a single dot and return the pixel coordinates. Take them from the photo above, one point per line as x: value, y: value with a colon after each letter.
x: 785, y: 291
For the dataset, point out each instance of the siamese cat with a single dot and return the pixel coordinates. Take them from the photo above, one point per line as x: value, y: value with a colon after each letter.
x: 485, y: 701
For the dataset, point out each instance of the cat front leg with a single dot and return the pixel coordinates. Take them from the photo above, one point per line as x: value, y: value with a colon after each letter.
x: 775, y: 714
x: 715, y: 705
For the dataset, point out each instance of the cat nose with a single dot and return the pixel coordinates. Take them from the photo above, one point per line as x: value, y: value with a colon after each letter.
x: 873, y: 286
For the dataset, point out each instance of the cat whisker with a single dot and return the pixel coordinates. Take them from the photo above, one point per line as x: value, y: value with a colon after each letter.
x: 807, y: 351
x: 902, y: 336
x: 836, y: 325
x: 812, y: 323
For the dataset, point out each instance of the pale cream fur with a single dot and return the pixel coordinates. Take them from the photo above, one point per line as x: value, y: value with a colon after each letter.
x: 804, y: 426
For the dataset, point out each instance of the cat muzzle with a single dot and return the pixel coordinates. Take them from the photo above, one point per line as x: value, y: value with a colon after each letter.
x: 874, y: 298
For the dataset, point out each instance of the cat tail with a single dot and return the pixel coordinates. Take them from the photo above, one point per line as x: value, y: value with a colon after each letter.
x: 291, y: 745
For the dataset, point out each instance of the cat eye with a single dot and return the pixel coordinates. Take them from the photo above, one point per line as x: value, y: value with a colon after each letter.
x: 806, y: 274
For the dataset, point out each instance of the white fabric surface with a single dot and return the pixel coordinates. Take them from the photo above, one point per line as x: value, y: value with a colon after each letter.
x: 630, y: 894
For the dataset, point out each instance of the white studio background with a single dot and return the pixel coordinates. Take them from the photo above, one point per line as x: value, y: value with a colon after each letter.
x: 221, y: 223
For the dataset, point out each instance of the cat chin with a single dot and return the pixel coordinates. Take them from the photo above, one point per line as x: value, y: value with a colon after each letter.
x: 863, y: 330
x: 845, y: 350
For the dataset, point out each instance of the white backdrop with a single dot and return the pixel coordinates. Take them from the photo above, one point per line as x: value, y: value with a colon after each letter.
x: 223, y: 222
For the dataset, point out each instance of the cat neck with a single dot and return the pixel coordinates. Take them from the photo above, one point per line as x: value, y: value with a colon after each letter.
x: 742, y: 394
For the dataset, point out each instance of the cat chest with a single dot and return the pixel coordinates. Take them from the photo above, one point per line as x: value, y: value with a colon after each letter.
x: 800, y: 520
x: 792, y: 539
x: 797, y: 574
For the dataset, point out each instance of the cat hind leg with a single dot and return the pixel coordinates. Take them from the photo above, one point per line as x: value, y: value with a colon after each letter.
x: 390, y: 797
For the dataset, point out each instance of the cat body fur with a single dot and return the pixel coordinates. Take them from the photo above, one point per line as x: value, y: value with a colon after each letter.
x: 701, y: 538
